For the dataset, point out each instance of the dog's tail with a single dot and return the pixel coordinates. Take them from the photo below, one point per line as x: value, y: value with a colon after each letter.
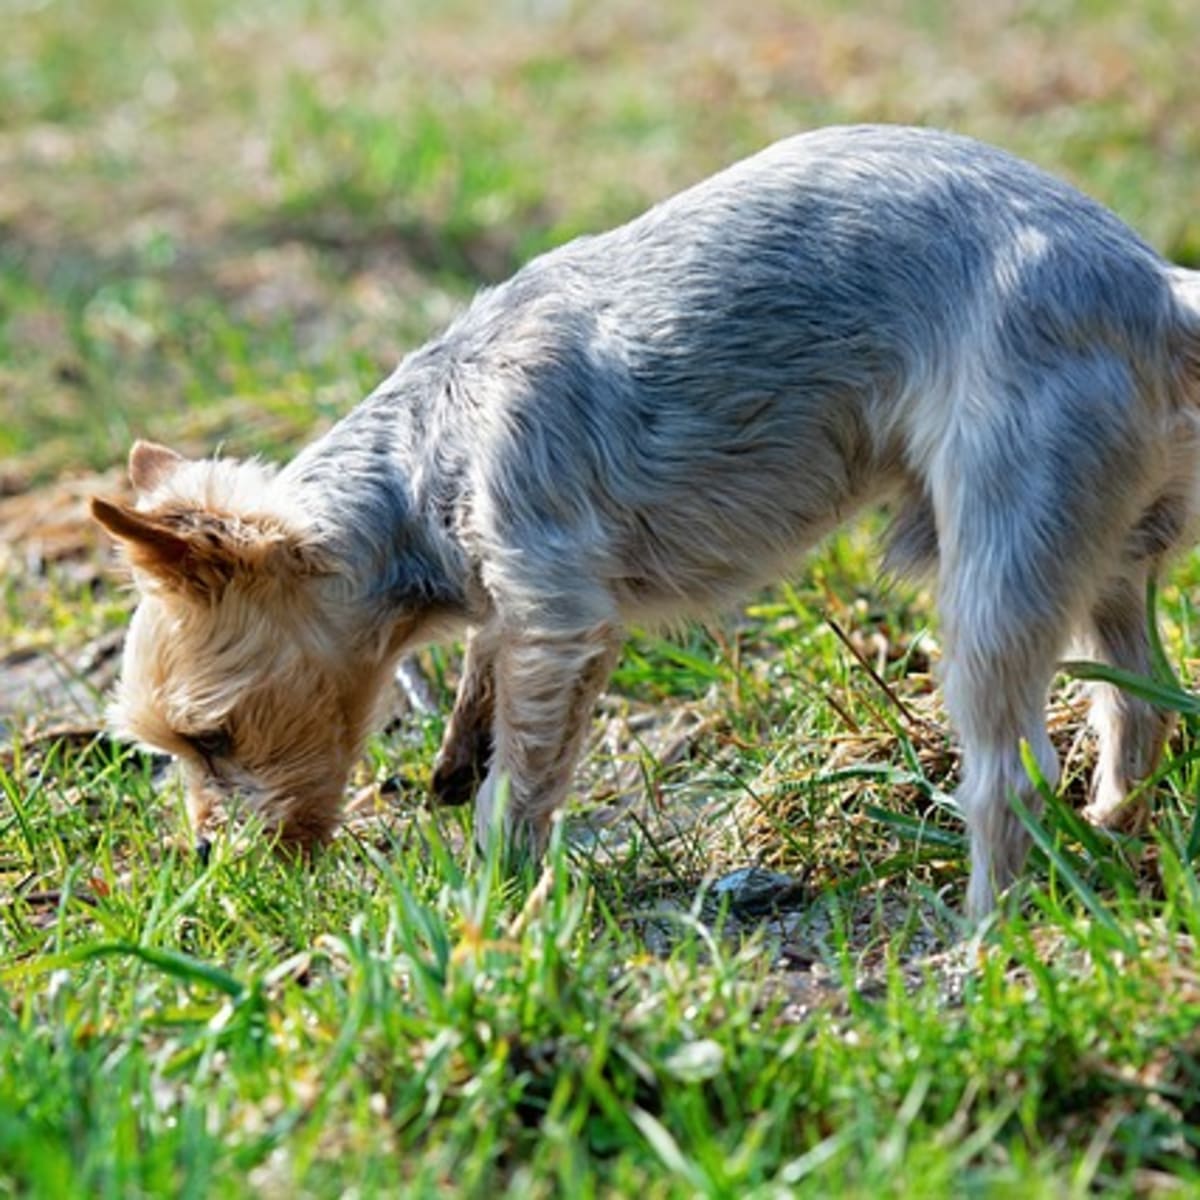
x: 1186, y: 286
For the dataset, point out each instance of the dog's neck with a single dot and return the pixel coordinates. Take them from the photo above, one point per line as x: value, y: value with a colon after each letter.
x: 390, y: 539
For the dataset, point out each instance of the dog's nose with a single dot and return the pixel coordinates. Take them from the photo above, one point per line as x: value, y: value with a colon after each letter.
x: 203, y: 849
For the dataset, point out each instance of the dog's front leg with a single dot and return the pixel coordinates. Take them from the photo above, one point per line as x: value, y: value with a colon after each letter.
x: 466, y: 750
x: 546, y: 687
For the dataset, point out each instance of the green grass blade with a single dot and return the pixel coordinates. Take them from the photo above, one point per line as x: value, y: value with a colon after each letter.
x: 1054, y: 852
x: 1162, y: 695
x: 171, y: 962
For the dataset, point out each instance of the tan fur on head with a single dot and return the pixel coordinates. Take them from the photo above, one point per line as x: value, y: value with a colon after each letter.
x: 188, y: 550
x: 241, y: 697
x: 198, y: 524
x: 228, y: 663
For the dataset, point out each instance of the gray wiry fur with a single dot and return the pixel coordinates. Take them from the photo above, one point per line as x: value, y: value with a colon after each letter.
x: 649, y: 422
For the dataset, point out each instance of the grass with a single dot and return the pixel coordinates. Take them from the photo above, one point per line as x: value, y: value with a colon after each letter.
x: 219, y: 225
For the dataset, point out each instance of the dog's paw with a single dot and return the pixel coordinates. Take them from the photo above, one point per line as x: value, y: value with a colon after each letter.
x: 454, y: 783
x: 461, y: 767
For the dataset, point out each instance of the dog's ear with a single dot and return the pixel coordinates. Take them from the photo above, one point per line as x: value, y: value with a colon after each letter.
x: 198, y: 553
x: 182, y: 559
x: 151, y: 464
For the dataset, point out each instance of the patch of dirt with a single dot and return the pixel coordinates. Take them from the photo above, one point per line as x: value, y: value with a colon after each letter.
x: 52, y: 526
x: 48, y: 541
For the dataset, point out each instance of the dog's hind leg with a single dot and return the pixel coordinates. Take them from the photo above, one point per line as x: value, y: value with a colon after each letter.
x: 547, y: 684
x: 1130, y: 731
x: 1025, y: 533
x: 466, y: 750
x: 996, y: 679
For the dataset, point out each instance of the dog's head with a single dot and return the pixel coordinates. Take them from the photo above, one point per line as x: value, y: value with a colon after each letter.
x: 237, y: 661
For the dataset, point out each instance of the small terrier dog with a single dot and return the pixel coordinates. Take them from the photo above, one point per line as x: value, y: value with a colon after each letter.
x: 647, y: 423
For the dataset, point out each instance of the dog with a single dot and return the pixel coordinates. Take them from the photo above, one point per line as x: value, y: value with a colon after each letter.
x: 644, y: 425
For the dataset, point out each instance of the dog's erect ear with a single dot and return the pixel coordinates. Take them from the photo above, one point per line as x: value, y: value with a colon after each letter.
x: 151, y: 464
x: 180, y: 558
x: 198, y: 553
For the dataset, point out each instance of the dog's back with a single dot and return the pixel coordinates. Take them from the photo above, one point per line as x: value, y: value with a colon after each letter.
x: 675, y: 408
x: 665, y: 414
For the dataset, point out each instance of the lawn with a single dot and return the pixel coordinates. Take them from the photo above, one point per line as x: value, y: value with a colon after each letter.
x: 742, y: 971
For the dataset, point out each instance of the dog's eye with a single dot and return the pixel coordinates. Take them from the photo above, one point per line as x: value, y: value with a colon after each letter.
x: 212, y: 743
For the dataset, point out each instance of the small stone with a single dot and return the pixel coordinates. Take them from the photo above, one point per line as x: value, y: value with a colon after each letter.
x: 755, y: 891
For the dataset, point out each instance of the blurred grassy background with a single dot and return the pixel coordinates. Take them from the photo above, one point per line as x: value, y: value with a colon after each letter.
x: 223, y: 221
x: 220, y: 223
